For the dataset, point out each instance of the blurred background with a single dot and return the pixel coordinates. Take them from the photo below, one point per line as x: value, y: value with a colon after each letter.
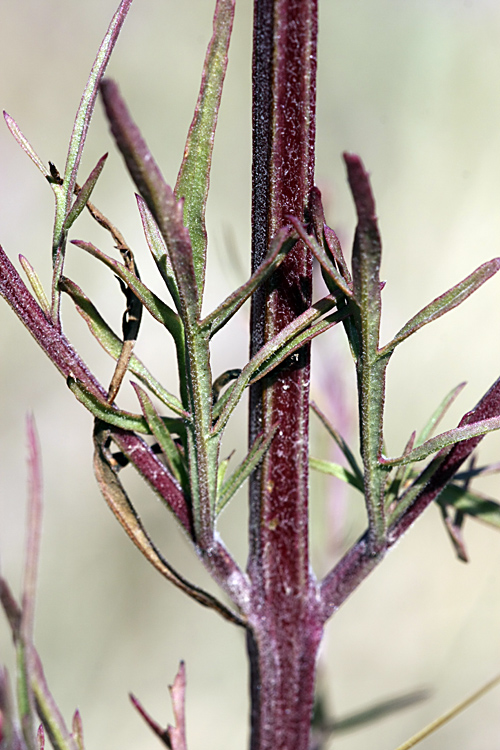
x: 414, y: 88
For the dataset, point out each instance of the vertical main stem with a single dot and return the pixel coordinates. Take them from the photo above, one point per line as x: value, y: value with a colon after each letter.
x: 285, y: 627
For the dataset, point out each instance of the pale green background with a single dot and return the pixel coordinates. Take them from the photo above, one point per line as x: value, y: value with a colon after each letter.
x: 412, y: 86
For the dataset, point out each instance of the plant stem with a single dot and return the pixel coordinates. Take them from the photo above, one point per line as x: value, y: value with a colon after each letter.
x: 285, y: 629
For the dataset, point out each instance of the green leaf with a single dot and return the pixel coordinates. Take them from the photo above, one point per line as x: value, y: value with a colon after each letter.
x: 255, y: 455
x: 80, y: 128
x: 173, y: 457
x: 158, y: 249
x: 87, y: 103
x: 351, y: 460
x: 280, y: 246
x: 335, y: 470
x: 84, y: 193
x: 193, y: 180
x: 446, y: 302
x: 291, y: 338
x: 158, y: 309
x: 370, y: 368
x: 444, y: 440
x: 439, y: 413
x: 112, y: 344
x: 404, y: 472
x: 105, y: 412
x: 471, y: 504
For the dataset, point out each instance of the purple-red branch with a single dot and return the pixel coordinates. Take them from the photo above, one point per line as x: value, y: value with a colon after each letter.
x: 67, y: 361
x: 360, y: 560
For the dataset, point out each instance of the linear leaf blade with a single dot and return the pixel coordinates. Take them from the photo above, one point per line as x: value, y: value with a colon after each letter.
x: 446, y: 302
x: 194, y: 175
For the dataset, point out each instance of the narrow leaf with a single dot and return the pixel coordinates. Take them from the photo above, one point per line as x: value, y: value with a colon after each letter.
x: 34, y: 532
x: 446, y: 302
x: 338, y: 283
x: 112, y: 344
x: 158, y: 249
x: 177, y: 733
x: 251, y: 461
x: 84, y: 193
x: 326, y: 235
x: 346, y: 451
x: 160, y: 732
x: 106, y: 412
x: 444, y: 440
x: 439, y: 413
x: 193, y: 180
x: 48, y: 710
x: 26, y: 145
x: 173, y: 458
x: 36, y: 284
x: 471, y: 504
x: 285, y: 343
x: 280, y: 246
x: 77, y: 727
x: 335, y: 470
x: 433, y: 726
x: 86, y: 108
x: 158, y: 309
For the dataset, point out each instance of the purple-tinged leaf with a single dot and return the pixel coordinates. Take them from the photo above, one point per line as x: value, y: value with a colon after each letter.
x: 77, y: 727
x: 370, y: 368
x: 158, y: 309
x: 177, y: 733
x: 446, y: 302
x: 162, y: 734
x: 138, y: 158
x: 338, y: 283
x: 26, y: 145
x: 194, y: 175
x: 40, y: 735
x: 107, y: 476
x: 34, y: 531
x: 84, y: 194
x: 159, y: 197
x: 367, y: 250
x: 280, y: 246
x: 325, y: 234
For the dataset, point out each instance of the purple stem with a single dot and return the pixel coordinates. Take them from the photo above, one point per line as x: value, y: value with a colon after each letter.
x: 285, y: 629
